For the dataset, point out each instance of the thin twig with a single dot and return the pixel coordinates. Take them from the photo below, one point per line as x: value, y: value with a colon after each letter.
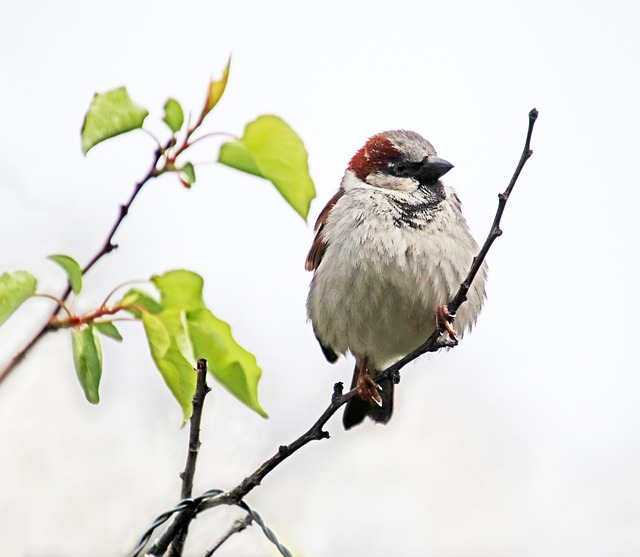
x: 238, y: 526
x: 495, y: 231
x: 314, y: 433
x: 194, y: 446
x: 60, y: 303
x: 435, y: 342
x: 107, y: 247
x: 235, y: 496
x: 202, y: 389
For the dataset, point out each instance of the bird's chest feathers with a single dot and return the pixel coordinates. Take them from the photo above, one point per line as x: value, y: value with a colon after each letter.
x: 378, y: 265
x: 379, y: 233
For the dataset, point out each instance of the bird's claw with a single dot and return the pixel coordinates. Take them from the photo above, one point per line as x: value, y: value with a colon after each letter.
x: 443, y: 319
x: 368, y: 389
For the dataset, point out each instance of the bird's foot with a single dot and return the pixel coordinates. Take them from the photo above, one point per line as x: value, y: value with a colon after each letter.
x: 368, y: 389
x: 443, y: 319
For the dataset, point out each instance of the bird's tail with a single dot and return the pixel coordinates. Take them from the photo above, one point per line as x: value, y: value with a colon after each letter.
x: 358, y: 408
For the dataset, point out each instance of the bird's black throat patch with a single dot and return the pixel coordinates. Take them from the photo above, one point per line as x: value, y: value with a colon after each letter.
x: 418, y: 209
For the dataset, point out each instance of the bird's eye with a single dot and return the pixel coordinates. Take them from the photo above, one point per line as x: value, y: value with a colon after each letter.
x: 400, y: 169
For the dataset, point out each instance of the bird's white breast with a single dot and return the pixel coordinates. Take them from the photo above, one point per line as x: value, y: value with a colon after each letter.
x: 377, y: 287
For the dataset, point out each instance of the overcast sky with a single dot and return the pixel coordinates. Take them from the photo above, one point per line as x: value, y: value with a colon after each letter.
x: 525, y: 440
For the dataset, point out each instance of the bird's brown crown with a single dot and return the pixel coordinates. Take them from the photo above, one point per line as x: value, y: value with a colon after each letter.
x: 377, y: 153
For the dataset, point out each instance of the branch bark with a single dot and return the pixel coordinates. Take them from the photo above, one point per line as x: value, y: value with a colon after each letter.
x: 194, y: 446
x: 435, y: 342
x: 107, y: 247
x: 235, y: 496
x: 238, y: 526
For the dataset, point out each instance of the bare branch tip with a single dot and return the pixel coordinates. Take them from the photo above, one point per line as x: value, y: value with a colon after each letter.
x: 533, y: 114
x: 337, y: 389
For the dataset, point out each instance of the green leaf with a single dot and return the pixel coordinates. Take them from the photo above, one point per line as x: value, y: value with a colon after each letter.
x: 184, y: 330
x: 173, y: 115
x: 87, y: 358
x: 188, y: 175
x: 15, y: 288
x: 216, y: 90
x: 108, y: 329
x: 180, y: 329
x: 73, y: 270
x: 138, y: 300
x: 180, y: 289
x: 157, y: 334
x: 234, y: 367
x: 236, y: 155
x: 163, y: 334
x: 110, y: 114
x: 271, y: 149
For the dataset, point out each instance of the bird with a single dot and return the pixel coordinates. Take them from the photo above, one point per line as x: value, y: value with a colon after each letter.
x: 390, y: 249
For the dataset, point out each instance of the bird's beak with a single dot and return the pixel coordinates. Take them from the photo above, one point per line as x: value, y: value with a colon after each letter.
x: 433, y: 168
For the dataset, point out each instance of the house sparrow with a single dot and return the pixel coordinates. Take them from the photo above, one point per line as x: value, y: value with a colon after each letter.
x: 391, y: 248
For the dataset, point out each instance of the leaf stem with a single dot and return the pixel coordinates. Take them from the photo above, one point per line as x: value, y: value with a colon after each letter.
x: 58, y: 301
x: 127, y: 283
x: 209, y: 135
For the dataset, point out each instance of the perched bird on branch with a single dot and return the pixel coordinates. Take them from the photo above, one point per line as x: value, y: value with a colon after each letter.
x: 390, y: 250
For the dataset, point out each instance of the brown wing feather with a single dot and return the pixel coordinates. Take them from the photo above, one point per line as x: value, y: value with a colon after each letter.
x: 319, y: 245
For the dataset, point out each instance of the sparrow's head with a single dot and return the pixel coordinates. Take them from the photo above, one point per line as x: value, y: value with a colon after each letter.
x: 398, y: 160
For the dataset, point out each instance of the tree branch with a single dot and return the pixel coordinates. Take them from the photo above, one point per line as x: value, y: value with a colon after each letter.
x: 194, y: 446
x: 495, y: 230
x: 314, y: 433
x: 107, y: 247
x: 189, y: 509
x: 435, y: 342
x: 237, y: 526
x: 235, y: 496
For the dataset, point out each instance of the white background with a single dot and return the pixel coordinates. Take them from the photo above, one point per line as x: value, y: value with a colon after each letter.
x: 523, y: 441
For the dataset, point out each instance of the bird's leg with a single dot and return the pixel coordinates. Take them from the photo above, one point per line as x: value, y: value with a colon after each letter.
x: 366, y: 385
x: 443, y: 321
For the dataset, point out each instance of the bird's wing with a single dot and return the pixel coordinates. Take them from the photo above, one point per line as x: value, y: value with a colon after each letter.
x: 319, y: 245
